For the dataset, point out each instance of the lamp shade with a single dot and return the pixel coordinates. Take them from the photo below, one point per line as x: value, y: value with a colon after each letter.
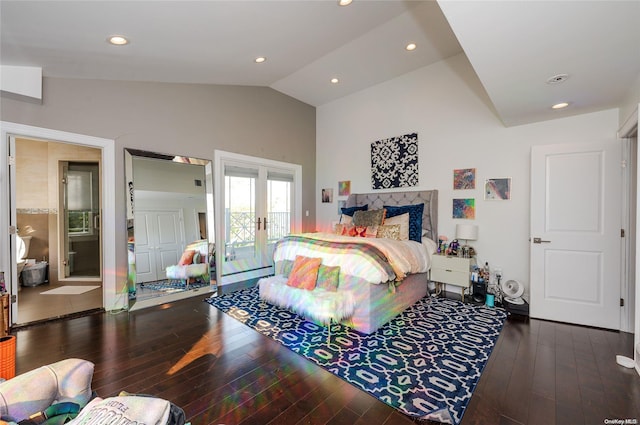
x: 468, y: 232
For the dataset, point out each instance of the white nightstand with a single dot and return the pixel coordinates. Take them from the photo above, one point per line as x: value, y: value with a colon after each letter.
x: 452, y: 271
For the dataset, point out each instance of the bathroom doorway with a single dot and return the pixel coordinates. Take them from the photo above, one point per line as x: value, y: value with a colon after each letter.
x: 58, y: 221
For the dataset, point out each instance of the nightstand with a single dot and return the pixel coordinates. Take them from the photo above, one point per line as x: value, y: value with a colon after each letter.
x: 452, y: 271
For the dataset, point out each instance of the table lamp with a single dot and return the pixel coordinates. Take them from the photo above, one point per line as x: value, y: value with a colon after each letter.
x: 466, y: 232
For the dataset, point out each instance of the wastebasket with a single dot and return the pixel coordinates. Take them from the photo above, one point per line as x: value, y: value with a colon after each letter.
x: 34, y: 274
x: 7, y: 357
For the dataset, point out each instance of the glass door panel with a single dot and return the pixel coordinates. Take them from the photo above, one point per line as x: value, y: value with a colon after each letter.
x: 81, y: 237
x: 279, y: 204
x: 257, y: 202
x: 241, y: 215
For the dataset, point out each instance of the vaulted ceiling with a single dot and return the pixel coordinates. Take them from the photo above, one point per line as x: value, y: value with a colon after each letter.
x: 513, y: 46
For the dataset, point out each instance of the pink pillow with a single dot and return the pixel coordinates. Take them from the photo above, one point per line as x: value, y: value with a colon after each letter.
x: 304, y: 272
x: 187, y: 258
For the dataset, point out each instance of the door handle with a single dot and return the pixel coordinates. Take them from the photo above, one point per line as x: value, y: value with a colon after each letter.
x: 539, y: 240
x: 259, y: 223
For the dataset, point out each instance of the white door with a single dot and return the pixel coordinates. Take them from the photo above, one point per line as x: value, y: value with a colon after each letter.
x: 158, y: 243
x: 575, y: 233
x: 257, y: 203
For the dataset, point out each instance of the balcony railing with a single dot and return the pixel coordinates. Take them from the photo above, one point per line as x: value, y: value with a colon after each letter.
x: 241, y: 228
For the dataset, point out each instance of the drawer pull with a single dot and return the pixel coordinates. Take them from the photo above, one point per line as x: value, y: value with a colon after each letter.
x: 448, y: 270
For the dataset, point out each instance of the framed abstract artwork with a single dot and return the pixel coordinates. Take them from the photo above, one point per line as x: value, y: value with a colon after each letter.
x: 464, y: 178
x: 344, y: 188
x: 464, y: 208
x: 498, y: 189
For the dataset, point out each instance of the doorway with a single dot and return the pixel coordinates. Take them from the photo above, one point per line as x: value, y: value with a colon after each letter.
x: 258, y: 201
x: 57, y: 204
x: 79, y: 190
x: 575, y: 233
x: 628, y: 133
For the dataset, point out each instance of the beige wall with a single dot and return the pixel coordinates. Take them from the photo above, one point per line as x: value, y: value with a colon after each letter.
x: 37, y: 194
x: 183, y: 119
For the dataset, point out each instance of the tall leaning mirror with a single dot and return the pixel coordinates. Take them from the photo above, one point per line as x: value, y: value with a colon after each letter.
x: 170, y: 240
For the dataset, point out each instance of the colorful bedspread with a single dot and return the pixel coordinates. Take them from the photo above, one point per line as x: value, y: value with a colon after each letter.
x: 377, y: 260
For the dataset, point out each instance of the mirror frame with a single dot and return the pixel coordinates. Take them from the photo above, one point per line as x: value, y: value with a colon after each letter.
x: 129, y: 154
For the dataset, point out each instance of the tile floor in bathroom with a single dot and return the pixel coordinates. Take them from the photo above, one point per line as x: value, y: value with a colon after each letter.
x: 34, y: 307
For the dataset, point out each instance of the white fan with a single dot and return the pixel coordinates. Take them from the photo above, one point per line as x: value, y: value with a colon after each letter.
x: 512, y: 290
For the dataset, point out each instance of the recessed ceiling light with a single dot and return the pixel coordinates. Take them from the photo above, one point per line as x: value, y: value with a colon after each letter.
x: 118, y: 40
x: 560, y: 105
x: 344, y: 2
x: 260, y: 59
x: 411, y: 46
x: 335, y: 81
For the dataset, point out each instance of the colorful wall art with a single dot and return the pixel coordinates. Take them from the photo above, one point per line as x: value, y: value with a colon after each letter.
x: 497, y: 189
x: 464, y: 208
x: 464, y: 178
x: 394, y: 162
x: 344, y: 188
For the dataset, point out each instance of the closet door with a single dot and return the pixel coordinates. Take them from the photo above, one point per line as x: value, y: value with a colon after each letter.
x: 158, y: 243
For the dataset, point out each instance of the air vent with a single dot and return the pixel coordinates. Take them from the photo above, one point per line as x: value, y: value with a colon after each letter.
x: 557, y: 79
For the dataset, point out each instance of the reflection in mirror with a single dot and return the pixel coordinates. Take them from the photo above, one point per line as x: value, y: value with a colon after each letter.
x: 169, y: 227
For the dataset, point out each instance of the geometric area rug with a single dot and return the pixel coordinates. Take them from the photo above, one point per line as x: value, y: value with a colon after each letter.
x: 425, y: 363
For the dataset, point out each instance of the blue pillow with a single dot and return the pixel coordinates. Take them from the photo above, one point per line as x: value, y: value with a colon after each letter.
x: 415, y: 218
x: 351, y: 210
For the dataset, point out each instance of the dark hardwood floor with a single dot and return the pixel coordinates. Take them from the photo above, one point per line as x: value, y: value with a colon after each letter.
x: 221, y: 372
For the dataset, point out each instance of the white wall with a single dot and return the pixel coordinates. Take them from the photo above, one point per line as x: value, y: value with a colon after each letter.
x: 630, y: 103
x: 457, y: 128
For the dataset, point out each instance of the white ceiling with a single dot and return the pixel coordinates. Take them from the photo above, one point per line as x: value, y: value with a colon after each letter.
x: 514, y: 46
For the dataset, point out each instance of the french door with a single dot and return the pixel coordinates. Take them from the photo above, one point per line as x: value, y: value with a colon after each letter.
x: 257, y: 204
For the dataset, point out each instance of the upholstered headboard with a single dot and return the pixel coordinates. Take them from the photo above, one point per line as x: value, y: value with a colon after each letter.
x: 427, y: 197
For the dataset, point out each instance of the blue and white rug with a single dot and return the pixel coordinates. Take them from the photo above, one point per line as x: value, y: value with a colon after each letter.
x: 425, y: 363
x: 173, y: 285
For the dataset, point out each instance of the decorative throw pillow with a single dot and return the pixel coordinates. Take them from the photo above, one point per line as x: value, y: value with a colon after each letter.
x: 371, y: 232
x: 285, y: 267
x: 415, y: 218
x: 403, y: 221
x: 360, y: 231
x: 347, y: 213
x: 345, y: 229
x: 304, y: 272
x: 187, y: 257
x: 369, y: 218
x: 389, y: 231
x: 328, y: 277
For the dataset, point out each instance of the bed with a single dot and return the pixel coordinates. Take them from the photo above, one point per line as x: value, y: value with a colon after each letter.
x: 372, y: 283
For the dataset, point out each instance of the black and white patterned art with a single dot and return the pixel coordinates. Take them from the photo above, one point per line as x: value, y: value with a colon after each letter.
x: 394, y: 162
x: 426, y: 362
